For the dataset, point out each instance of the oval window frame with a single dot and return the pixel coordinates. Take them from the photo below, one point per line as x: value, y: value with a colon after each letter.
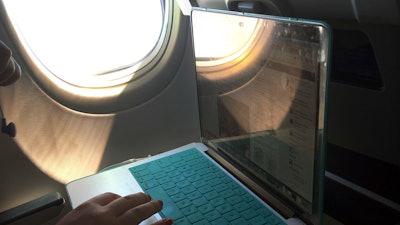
x: 147, y: 82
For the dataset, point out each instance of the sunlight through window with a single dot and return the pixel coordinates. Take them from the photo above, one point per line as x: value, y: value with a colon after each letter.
x: 89, y: 43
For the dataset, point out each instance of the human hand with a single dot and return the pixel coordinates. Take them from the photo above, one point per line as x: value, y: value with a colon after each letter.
x: 112, y: 209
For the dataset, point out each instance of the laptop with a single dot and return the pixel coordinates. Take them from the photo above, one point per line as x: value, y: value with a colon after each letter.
x: 262, y: 94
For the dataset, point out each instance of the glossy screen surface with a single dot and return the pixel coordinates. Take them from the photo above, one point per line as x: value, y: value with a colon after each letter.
x: 262, y: 87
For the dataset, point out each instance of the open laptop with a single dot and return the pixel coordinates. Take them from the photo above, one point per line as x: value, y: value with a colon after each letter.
x: 262, y: 84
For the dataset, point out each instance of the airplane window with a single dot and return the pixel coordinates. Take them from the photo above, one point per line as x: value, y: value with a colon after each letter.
x: 89, y: 42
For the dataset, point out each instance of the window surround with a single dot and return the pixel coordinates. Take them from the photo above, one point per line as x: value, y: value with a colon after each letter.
x: 146, y: 83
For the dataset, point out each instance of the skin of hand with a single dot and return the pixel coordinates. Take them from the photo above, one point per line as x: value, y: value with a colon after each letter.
x: 112, y: 209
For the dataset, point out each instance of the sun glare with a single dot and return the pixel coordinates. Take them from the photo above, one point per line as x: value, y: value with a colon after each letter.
x: 88, y: 42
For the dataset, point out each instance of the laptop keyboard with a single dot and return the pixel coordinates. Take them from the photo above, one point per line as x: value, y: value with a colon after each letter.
x: 196, y: 191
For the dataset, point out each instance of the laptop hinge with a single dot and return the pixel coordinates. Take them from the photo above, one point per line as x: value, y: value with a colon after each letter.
x: 264, y: 195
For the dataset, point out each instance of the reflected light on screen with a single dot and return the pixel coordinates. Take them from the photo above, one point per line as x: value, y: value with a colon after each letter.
x: 213, y: 50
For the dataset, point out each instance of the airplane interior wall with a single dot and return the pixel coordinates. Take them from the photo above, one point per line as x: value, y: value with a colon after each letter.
x: 362, y: 115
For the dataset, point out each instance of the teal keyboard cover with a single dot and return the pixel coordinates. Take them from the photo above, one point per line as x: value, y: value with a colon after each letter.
x: 196, y: 191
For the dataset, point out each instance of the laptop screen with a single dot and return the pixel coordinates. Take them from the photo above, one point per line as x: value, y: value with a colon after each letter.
x: 262, y: 84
